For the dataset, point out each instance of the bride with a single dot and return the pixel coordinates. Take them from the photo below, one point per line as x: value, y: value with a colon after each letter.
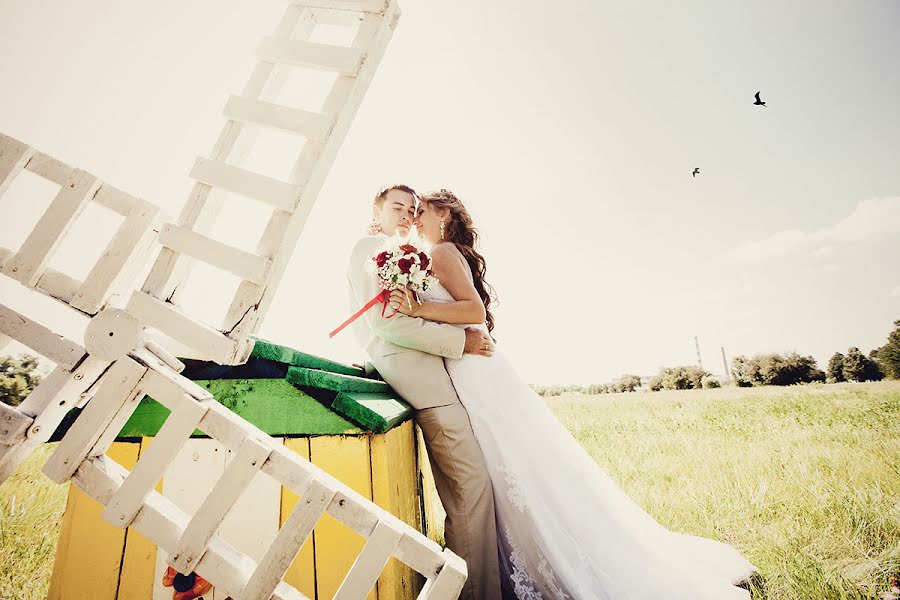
x: 565, y: 529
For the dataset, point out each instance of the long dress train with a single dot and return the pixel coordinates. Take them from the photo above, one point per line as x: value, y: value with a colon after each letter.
x: 566, y: 530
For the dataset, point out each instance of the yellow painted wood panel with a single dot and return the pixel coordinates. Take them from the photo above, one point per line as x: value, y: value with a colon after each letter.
x: 301, y: 573
x: 395, y: 488
x: 337, y: 546
x: 89, y: 553
x: 433, y: 517
x: 139, y: 561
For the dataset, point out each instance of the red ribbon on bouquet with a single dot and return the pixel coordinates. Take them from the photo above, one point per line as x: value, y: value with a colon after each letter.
x: 383, y: 297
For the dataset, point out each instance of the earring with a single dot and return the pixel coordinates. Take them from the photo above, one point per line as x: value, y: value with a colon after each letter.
x: 442, y: 230
x: 374, y: 227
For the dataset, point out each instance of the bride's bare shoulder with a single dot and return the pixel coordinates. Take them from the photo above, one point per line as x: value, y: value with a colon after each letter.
x: 446, y: 251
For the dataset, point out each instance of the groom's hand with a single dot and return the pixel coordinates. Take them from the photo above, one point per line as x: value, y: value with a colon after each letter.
x: 478, y: 343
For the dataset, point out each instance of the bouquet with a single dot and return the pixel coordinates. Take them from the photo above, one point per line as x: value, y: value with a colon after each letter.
x: 397, y: 265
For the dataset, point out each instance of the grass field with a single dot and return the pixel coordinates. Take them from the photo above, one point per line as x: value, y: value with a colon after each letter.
x: 805, y: 481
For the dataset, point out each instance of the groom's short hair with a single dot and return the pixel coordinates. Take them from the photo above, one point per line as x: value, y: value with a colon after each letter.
x: 379, y: 198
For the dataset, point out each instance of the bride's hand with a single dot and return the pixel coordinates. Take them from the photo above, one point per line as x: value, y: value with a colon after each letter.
x: 404, y: 302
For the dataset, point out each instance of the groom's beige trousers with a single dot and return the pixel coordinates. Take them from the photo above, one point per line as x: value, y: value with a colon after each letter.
x: 460, y: 475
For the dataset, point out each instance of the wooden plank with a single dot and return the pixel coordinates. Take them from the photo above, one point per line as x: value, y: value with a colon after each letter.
x: 139, y: 560
x: 170, y: 320
x: 162, y: 523
x: 50, y: 168
x: 375, y: 412
x: 164, y: 355
x: 370, y: 562
x: 284, y: 118
x: 13, y: 424
x: 128, y: 499
x: 29, y: 263
x: 220, y: 255
x: 281, y: 553
x: 49, y: 403
x: 117, y: 387
x: 215, y: 173
x: 253, y: 523
x: 58, y: 285
x: 206, y: 522
x: 233, y: 145
x: 187, y: 482
x: 89, y: 552
x: 162, y: 377
x: 449, y: 582
x: 335, y: 381
x: 66, y: 354
x: 280, y: 237
x: 326, y: 57
x: 337, y: 17
x: 125, y: 252
x: 347, y: 460
x: 375, y: 6
x: 290, y: 356
x: 121, y: 202
x: 395, y: 479
x: 301, y: 574
x: 14, y: 155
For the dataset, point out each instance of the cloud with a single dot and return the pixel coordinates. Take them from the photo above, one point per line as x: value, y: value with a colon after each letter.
x: 895, y: 292
x: 872, y: 220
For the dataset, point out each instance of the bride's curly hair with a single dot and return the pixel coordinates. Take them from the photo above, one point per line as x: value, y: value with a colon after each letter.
x: 460, y: 230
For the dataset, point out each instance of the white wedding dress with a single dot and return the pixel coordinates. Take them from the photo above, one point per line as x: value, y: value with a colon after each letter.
x: 565, y: 528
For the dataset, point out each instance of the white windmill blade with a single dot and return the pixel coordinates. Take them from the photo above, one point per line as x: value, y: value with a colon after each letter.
x: 260, y: 272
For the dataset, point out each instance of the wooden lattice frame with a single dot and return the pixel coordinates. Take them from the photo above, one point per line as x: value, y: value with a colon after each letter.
x: 118, y: 364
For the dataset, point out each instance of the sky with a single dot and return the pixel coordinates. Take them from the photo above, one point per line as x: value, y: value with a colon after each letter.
x: 569, y: 129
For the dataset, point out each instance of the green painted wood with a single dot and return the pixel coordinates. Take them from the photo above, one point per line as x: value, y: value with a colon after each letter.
x: 289, y: 356
x: 273, y: 405
x: 335, y: 381
x: 375, y: 412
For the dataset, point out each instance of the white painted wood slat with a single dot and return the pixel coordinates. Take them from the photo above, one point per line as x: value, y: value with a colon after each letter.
x: 228, y: 258
x: 279, y: 194
x: 371, y: 560
x: 169, y: 319
x: 149, y: 469
x: 290, y: 538
x: 353, y: 5
x: 208, y: 518
x: 65, y: 353
x: 29, y: 263
x: 449, y: 582
x: 118, y: 386
x: 12, y: 424
x: 48, y: 404
x: 129, y: 245
x: 285, y: 118
x: 14, y: 155
x: 326, y: 57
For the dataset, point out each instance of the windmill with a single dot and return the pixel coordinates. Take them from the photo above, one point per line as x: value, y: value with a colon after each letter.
x: 118, y: 363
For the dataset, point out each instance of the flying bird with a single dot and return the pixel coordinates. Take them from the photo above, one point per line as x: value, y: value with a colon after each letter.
x: 759, y: 101
x: 696, y: 172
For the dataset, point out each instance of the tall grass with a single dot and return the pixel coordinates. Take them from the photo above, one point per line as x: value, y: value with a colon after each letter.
x: 31, y: 507
x: 805, y: 481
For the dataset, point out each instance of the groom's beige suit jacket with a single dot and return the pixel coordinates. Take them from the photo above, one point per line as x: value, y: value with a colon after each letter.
x: 420, y: 342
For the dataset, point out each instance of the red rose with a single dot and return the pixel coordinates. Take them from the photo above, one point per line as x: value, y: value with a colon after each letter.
x: 423, y: 260
x: 405, y: 264
x: 381, y: 259
x: 408, y: 249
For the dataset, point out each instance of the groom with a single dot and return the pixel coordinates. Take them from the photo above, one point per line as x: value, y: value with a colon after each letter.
x: 408, y: 353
